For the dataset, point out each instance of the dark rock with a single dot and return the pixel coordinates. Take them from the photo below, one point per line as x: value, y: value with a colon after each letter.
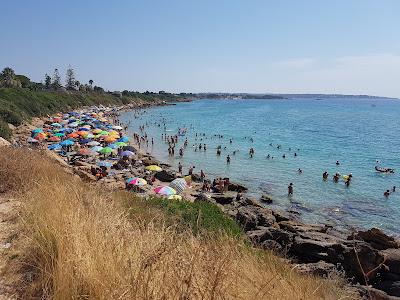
x: 392, y: 288
x: 320, y: 268
x: 392, y: 259
x: 271, y: 245
x: 165, y: 175
x: 148, y: 161
x: 377, y: 238
x: 262, y: 233
x: 222, y: 198
x: 280, y: 216
x: 294, y: 226
x: 266, y: 199
x: 390, y: 276
x: 235, y: 187
x: 250, y: 217
x: 370, y: 293
x: 196, y: 178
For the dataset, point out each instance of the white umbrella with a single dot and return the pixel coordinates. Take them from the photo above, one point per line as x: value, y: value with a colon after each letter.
x: 179, y: 185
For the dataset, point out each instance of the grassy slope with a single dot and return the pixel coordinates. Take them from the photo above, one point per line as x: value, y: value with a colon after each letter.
x: 79, y: 243
x: 17, y: 105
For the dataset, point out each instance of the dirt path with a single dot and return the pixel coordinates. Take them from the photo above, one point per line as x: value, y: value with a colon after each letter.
x: 8, y: 232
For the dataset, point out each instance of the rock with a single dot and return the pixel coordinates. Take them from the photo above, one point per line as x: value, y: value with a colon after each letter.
x: 85, y: 175
x: 223, y: 198
x: 165, y: 175
x: 148, y: 161
x: 392, y: 260
x: 377, y: 238
x: 196, y: 178
x: 280, y: 216
x: 262, y: 233
x: 319, y: 268
x: 4, y: 142
x: 370, y: 293
x: 250, y: 217
x: 235, y: 187
x: 392, y: 288
x: 11, y: 126
x: 271, y: 245
x: 294, y: 226
x: 266, y: 199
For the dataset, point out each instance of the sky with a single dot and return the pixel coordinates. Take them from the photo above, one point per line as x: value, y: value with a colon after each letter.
x: 255, y: 46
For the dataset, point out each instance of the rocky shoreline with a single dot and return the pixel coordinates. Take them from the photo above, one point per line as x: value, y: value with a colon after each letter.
x: 369, y: 259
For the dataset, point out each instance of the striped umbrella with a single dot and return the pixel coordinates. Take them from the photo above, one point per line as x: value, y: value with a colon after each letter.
x: 179, y: 185
x: 165, y: 190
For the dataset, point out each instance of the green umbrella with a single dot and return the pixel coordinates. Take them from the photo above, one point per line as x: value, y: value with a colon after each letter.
x: 59, y: 134
x: 121, y: 144
x: 106, y: 150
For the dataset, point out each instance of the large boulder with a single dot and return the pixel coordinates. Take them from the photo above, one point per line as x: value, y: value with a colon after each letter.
x: 236, y: 187
x: 319, y: 268
x: 262, y: 234
x: 392, y: 288
x: 165, y: 175
x: 392, y: 260
x: 223, y: 198
x: 376, y: 238
x: 250, y: 217
x: 196, y: 178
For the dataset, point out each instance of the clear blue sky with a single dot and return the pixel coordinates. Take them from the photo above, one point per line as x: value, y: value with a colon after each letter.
x: 341, y: 46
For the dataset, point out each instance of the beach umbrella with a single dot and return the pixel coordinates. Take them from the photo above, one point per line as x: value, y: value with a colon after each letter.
x: 89, y: 135
x: 106, y: 150
x: 136, y: 181
x: 54, y: 147
x: 56, y: 125
x: 165, y: 190
x: 74, y: 124
x: 37, y: 130
x: 32, y: 140
x: 96, y: 148
x: 84, y: 129
x: 121, y: 144
x: 84, y: 141
x: 153, y: 168
x: 175, y: 197
x: 82, y: 133
x: 40, y: 136
x: 59, y: 134
x: 97, y: 130
x: 93, y: 143
x: 123, y: 139
x: 103, y: 163
x: 103, y: 132
x: 117, y: 127
x: 179, y: 185
x: 54, y: 139
x: 86, y: 151
x: 128, y: 148
x: 110, y: 139
x: 113, y: 146
x: 67, y: 143
x: 127, y: 153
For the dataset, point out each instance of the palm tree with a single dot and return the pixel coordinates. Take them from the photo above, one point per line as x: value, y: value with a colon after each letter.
x: 7, y: 77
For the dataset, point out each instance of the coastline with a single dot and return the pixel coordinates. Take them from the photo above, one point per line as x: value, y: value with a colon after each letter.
x: 313, y: 248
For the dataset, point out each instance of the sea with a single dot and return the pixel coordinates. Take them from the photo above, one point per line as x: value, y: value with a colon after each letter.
x: 360, y: 133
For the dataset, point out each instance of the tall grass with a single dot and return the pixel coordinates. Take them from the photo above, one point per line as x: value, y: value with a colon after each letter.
x: 80, y: 243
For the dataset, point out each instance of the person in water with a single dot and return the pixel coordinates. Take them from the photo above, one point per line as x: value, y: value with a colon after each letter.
x: 386, y: 194
x: 393, y: 189
x: 336, y: 177
x: 290, y: 189
x: 325, y: 175
x: 337, y: 163
x: 228, y: 159
x: 180, y: 167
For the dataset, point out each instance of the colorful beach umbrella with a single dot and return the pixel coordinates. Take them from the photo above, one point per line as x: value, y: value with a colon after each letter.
x: 165, y: 190
x: 37, y: 130
x: 106, y: 150
x: 93, y: 143
x: 54, y: 147
x: 124, y: 139
x: 32, y: 140
x: 86, y: 151
x: 103, y: 163
x: 153, y: 168
x: 136, y: 181
x: 179, y: 185
x: 96, y: 148
x: 67, y: 143
x: 59, y: 134
x: 127, y: 153
x: 53, y: 139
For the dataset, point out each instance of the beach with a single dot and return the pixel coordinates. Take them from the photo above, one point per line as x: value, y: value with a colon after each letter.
x: 314, y: 248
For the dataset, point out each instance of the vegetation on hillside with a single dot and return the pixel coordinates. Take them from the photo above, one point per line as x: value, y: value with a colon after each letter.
x: 21, y: 99
x: 77, y: 242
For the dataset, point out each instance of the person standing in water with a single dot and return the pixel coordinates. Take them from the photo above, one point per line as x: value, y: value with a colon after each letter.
x: 290, y: 189
x: 180, y: 167
x: 228, y: 159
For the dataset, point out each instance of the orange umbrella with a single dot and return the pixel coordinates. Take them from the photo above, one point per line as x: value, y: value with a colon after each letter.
x: 54, y: 139
x: 40, y: 136
x: 73, y: 135
x: 110, y: 139
x: 83, y: 133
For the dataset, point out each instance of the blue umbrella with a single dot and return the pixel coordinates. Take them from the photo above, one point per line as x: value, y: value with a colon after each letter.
x: 67, y: 143
x: 113, y: 146
x: 123, y: 139
x: 37, y: 130
x: 85, y: 141
x: 104, y: 164
x: 54, y: 147
x: 127, y: 153
x: 83, y: 129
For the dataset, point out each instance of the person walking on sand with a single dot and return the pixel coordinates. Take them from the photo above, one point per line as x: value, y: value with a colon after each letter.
x: 290, y: 189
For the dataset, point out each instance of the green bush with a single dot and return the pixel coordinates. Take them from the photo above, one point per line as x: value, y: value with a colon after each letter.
x: 5, y: 131
x: 200, y: 216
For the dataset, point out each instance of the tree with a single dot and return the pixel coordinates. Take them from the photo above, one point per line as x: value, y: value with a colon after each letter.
x: 47, y: 81
x: 91, y: 82
x: 56, y: 80
x: 7, y: 78
x: 70, y: 79
x: 77, y: 84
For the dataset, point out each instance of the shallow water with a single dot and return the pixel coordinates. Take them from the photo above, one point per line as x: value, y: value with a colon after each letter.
x: 357, y: 132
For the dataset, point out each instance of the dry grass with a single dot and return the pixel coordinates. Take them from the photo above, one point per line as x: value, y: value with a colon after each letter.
x: 80, y: 244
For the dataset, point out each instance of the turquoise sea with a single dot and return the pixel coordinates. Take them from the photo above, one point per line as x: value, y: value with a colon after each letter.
x: 355, y: 131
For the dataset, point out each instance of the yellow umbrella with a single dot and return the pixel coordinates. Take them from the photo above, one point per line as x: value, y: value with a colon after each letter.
x: 175, y: 197
x: 153, y: 168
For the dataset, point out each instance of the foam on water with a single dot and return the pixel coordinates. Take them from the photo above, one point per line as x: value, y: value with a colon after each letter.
x: 357, y: 132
